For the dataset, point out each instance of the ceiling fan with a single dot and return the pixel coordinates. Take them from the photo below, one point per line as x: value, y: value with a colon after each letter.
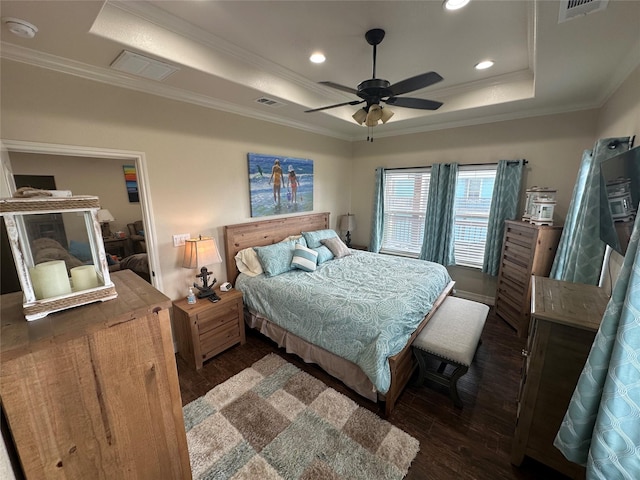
x: 377, y: 90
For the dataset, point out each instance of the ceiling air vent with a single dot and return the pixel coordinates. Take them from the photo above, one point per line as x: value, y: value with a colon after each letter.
x: 269, y: 102
x: 142, y: 66
x: 570, y: 9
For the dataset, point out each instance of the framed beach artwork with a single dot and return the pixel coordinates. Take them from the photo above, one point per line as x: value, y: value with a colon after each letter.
x: 279, y: 184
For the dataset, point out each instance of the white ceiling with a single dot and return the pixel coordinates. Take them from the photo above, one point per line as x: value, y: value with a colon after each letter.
x: 230, y: 53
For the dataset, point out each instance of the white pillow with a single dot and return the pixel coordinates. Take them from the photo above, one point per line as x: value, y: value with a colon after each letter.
x: 247, y: 262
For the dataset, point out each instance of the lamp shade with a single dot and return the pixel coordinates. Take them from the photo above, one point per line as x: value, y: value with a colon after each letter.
x: 348, y: 222
x: 199, y: 252
x: 104, y: 215
x: 386, y: 115
x: 360, y: 116
x: 374, y: 115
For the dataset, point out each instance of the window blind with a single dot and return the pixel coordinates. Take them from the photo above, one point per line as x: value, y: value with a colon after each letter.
x: 406, y: 193
x: 474, y: 188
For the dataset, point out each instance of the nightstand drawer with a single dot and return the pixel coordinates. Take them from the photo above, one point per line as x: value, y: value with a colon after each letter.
x: 216, y: 318
x: 218, y: 340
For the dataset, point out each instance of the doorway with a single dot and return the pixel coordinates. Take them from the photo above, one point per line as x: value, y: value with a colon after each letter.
x: 137, y: 159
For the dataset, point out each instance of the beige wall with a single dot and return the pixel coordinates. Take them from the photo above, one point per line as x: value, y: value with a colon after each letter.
x: 101, y: 177
x: 196, y: 157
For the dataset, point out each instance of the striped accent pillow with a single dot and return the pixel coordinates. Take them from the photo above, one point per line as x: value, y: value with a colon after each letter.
x: 304, y: 258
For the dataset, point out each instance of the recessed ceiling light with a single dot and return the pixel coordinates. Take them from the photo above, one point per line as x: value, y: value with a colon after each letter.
x: 484, y: 65
x: 19, y: 27
x: 317, y: 58
x: 454, y: 4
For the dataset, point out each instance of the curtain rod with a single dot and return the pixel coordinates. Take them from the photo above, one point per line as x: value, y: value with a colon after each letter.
x: 460, y: 165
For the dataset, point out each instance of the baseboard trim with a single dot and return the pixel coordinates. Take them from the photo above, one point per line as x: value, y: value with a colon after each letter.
x: 475, y: 297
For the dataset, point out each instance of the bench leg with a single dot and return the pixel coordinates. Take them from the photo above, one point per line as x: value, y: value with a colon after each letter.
x: 453, y: 384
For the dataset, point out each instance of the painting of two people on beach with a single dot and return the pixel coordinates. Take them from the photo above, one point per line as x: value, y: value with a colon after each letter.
x: 280, y: 185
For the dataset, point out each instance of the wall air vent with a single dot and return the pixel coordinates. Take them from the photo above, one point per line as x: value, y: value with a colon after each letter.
x: 570, y: 9
x: 142, y: 66
x: 269, y: 102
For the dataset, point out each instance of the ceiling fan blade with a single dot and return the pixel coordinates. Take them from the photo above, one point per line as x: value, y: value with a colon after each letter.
x: 415, y: 83
x: 353, y: 102
x: 337, y: 86
x: 418, y: 103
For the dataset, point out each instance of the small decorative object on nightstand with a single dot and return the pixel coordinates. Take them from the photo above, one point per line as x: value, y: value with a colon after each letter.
x: 206, y: 329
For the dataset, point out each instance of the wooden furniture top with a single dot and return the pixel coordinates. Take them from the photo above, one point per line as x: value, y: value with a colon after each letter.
x: 572, y: 304
x: 136, y: 298
x: 266, y: 232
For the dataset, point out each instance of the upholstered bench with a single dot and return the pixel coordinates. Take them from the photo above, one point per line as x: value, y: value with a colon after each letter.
x: 451, y: 336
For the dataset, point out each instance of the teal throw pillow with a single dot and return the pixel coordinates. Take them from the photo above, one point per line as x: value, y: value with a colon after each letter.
x: 324, y: 254
x: 276, y: 259
x: 313, y: 238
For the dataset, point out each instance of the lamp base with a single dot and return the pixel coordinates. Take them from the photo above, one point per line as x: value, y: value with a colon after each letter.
x: 206, y: 290
x: 348, y: 239
x: 106, y: 230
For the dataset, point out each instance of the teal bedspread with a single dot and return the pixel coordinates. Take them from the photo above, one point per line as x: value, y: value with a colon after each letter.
x: 362, y: 307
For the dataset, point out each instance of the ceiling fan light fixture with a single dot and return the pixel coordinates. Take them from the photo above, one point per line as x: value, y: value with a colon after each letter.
x: 374, y: 115
x: 454, y: 4
x: 386, y: 115
x: 360, y: 116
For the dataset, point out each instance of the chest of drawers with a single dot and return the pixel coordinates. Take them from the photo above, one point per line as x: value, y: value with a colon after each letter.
x: 526, y: 250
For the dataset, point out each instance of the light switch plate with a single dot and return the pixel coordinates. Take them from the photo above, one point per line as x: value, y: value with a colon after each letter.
x: 178, y: 240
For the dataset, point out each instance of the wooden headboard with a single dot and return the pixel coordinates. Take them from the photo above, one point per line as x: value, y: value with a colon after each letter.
x: 266, y: 232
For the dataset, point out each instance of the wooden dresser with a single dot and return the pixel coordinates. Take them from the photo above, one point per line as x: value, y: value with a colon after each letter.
x: 92, y: 392
x: 564, y: 320
x: 526, y: 250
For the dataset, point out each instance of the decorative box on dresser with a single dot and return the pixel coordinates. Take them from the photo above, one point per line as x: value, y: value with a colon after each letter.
x: 205, y: 329
x: 526, y: 250
x: 565, y: 317
x: 92, y: 392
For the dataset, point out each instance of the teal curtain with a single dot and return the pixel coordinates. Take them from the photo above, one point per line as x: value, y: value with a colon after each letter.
x: 580, y: 252
x: 504, y: 206
x: 601, y: 428
x: 377, y: 216
x: 437, y: 244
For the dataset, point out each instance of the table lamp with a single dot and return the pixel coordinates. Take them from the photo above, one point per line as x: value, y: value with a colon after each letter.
x: 348, y: 223
x: 199, y: 252
x: 104, y: 217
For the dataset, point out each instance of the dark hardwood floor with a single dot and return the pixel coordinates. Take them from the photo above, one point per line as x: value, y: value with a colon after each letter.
x: 469, y: 443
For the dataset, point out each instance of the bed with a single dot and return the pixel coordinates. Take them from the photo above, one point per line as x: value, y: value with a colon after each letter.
x: 376, y: 379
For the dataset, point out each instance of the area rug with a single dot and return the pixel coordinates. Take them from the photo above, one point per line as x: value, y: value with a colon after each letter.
x: 274, y: 421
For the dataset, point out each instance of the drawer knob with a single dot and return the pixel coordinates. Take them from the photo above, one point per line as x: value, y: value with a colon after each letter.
x: 524, y: 353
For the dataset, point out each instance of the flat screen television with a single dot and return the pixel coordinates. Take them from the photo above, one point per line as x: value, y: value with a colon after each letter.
x: 619, y: 197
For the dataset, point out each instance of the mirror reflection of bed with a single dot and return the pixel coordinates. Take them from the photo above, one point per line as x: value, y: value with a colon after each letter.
x: 382, y: 368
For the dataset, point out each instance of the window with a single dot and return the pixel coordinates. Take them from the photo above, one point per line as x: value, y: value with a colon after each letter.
x: 406, y: 192
x: 405, y: 205
x: 474, y: 188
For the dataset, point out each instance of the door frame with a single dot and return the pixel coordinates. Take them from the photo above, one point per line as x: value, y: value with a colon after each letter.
x: 8, y: 187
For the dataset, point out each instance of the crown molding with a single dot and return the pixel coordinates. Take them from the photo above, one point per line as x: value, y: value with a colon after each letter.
x: 107, y: 76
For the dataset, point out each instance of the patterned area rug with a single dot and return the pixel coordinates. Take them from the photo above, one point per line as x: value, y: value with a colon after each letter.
x: 274, y: 421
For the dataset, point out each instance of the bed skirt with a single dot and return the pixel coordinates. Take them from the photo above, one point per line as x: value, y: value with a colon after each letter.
x: 347, y: 372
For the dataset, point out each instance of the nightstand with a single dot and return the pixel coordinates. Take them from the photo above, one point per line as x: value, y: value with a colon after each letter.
x: 360, y: 247
x: 206, y: 329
